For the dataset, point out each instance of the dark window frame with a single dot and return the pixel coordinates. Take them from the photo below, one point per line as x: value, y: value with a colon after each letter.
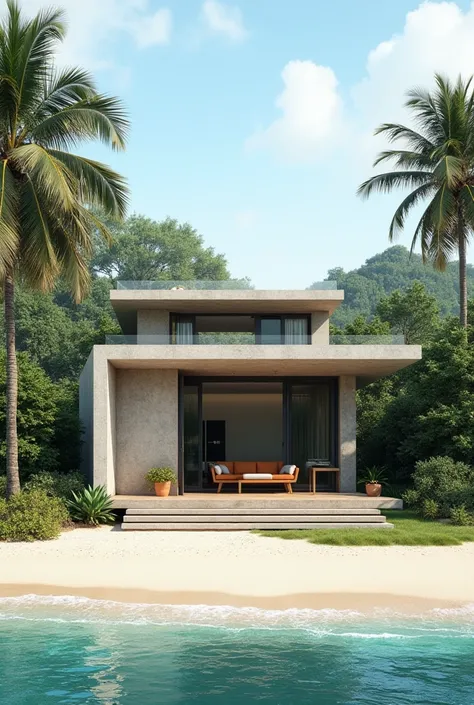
x: 174, y: 317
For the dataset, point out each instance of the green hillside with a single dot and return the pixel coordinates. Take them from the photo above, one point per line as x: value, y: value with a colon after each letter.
x: 390, y: 270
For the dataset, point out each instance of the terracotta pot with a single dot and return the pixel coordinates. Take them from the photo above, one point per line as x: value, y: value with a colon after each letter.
x: 373, y: 489
x: 162, y: 489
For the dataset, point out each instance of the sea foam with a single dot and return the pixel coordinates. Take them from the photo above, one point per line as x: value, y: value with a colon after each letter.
x: 380, y: 623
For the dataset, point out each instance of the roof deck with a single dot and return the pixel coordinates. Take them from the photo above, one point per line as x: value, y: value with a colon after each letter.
x: 233, y: 296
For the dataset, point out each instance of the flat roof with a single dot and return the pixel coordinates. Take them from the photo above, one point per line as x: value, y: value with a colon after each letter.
x: 127, y: 302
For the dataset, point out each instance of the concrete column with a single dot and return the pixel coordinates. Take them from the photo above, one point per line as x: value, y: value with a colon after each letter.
x: 347, y: 433
x: 320, y: 328
x: 103, y: 435
x: 153, y: 322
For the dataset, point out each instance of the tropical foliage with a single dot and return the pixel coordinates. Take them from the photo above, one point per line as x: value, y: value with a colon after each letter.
x: 31, y: 516
x: 436, y: 162
x: 394, y: 270
x: 443, y: 488
x: 426, y: 410
x: 47, y: 417
x: 57, y: 484
x: 46, y: 224
x: 143, y: 250
x: 91, y: 505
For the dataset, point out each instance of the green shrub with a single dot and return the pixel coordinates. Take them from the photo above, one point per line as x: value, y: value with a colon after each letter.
x: 3, y: 486
x: 430, y: 509
x: 461, y: 498
x: 461, y: 516
x: 31, y: 515
x: 57, y: 484
x: 411, y: 498
x: 92, y: 505
x: 161, y: 475
x: 441, y: 484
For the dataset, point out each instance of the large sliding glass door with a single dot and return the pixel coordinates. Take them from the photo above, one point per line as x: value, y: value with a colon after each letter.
x: 311, y: 427
x: 308, y: 422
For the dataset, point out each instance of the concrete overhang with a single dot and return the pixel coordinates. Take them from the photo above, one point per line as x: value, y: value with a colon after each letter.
x: 366, y: 362
x: 226, y: 301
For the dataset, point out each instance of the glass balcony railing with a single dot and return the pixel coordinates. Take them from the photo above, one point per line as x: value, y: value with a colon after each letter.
x: 219, y: 285
x: 367, y: 340
x: 250, y: 339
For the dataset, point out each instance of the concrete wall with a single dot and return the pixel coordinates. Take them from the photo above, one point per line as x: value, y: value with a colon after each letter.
x: 347, y: 433
x: 146, y: 426
x: 320, y: 328
x: 254, y: 424
x: 86, y: 406
x: 153, y: 322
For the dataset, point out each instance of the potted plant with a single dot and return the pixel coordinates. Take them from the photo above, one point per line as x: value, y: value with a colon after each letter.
x: 373, y: 479
x: 162, y: 478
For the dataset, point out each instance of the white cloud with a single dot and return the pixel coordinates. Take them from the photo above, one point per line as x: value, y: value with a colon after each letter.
x: 224, y: 19
x: 311, y: 113
x: 436, y: 37
x: 94, y: 26
x: 153, y: 30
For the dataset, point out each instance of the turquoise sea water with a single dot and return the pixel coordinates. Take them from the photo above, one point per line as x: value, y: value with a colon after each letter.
x: 64, y: 650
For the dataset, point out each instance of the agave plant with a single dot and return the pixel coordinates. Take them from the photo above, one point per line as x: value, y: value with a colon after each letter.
x: 92, y: 505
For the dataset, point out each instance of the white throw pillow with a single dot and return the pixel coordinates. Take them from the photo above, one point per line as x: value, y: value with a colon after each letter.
x: 225, y: 469
x: 288, y: 470
x: 217, y: 469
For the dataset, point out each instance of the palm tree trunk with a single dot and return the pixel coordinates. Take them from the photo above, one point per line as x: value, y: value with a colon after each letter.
x: 462, y: 278
x: 13, y: 474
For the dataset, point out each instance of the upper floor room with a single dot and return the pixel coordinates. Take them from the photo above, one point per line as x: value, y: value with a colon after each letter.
x: 224, y: 312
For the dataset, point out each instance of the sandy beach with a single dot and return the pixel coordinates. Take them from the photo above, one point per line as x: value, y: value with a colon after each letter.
x: 238, y: 569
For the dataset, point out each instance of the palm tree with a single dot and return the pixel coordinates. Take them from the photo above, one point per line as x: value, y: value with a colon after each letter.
x: 46, y: 224
x: 437, y: 164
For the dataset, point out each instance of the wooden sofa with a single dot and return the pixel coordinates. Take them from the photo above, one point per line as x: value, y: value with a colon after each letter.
x: 239, y: 468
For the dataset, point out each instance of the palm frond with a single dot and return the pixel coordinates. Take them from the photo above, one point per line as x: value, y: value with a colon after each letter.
x: 384, y: 183
x: 413, y: 139
x: 405, y: 159
x: 99, y: 185
x: 449, y: 170
x: 40, y: 36
x: 49, y: 175
x: 9, y: 233
x: 64, y: 88
x: 406, y: 206
x: 38, y: 258
x: 102, y: 118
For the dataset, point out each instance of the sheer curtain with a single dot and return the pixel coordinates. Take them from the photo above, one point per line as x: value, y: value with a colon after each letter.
x: 295, y: 331
x: 184, y: 332
x: 310, y: 425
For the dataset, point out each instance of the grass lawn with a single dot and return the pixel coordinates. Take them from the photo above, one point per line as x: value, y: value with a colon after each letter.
x: 409, y: 530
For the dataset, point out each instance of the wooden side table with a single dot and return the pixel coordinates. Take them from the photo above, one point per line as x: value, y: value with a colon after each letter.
x: 313, y: 473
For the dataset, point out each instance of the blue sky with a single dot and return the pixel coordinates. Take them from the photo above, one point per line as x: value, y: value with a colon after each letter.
x: 253, y: 119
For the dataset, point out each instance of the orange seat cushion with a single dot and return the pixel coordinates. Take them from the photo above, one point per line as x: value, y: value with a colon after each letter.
x: 228, y: 478
x: 244, y: 466
x: 283, y: 478
x: 271, y: 466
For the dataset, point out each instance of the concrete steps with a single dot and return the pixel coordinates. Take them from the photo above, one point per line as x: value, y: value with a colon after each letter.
x: 251, y: 517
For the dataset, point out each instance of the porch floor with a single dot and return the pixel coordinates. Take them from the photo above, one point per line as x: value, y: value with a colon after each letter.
x: 253, y: 500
